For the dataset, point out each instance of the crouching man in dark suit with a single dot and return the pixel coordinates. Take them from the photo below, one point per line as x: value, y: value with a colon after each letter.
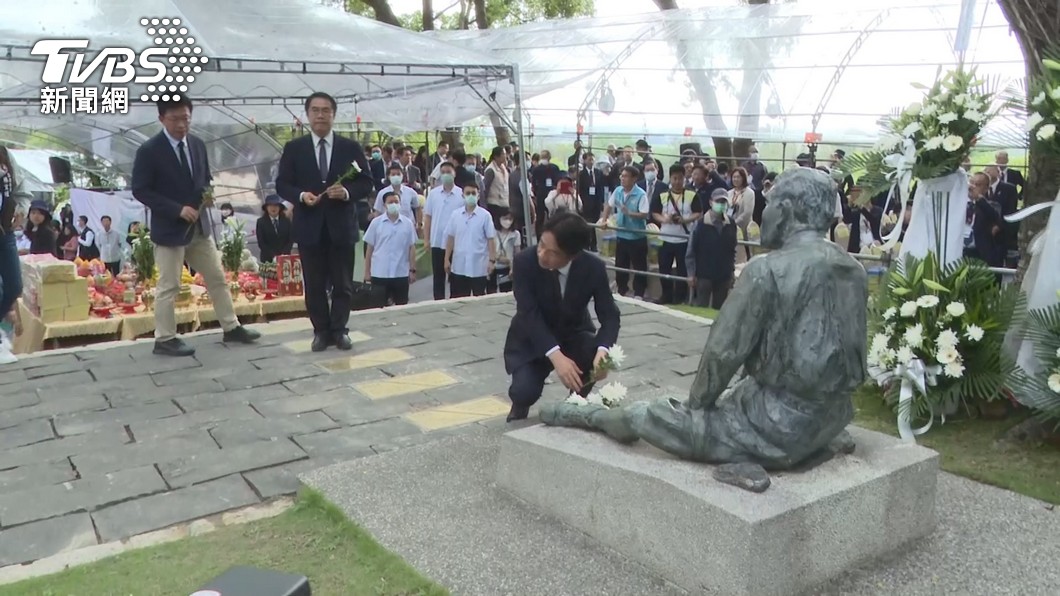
x: 551, y: 329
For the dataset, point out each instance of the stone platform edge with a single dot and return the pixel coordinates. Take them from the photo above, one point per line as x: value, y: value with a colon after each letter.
x: 673, y: 517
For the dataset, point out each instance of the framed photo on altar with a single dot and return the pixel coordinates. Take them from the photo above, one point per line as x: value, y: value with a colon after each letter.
x: 289, y: 275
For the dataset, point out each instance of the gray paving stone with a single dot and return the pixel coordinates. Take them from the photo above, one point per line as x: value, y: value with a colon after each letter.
x: 59, y: 448
x: 46, y: 409
x: 86, y: 494
x: 39, y: 361
x: 34, y: 475
x: 116, y: 355
x: 685, y: 366
x: 61, y: 368
x: 108, y: 370
x: 330, y: 382
x: 196, y: 469
x: 360, y: 410
x: 354, y: 439
x: 296, y: 404
x: 148, y: 393
x: 8, y: 377
x: 83, y: 422
x: 153, y: 430
x: 447, y: 361
x: 209, y: 401
x: 26, y: 433
x: 283, y: 479
x: 412, y: 440
x: 206, y: 373
x: 10, y: 400
x: 434, y: 333
x: 30, y: 542
x: 173, y: 507
x: 472, y: 345
x: 134, y: 455
x: 70, y: 379
x: 390, y: 338
x: 230, y: 433
x: 264, y: 378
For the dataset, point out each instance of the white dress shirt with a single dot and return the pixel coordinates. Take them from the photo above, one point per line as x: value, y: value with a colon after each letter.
x: 390, y: 240
x: 329, y: 146
x: 440, y: 206
x: 409, y: 200
x: 563, y: 273
x: 471, y: 233
x: 109, y: 243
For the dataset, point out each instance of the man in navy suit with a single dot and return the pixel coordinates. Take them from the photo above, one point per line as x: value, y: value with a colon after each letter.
x: 171, y: 175
x: 325, y: 225
x: 551, y: 329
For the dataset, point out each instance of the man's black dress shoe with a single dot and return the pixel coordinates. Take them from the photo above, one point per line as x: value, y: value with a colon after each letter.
x: 320, y: 342
x: 240, y: 335
x: 173, y: 347
x: 518, y: 413
x: 343, y: 342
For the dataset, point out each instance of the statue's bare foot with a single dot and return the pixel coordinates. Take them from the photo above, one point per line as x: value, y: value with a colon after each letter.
x: 747, y: 476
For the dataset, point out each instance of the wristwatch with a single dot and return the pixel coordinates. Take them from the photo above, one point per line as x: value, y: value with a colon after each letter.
x: 412, y: 271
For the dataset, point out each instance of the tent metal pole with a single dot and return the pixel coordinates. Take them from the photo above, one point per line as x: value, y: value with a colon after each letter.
x: 524, y: 177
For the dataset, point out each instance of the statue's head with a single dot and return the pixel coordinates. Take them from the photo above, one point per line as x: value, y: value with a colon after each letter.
x: 802, y: 199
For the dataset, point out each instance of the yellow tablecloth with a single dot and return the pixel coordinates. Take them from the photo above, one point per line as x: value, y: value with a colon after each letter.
x: 130, y: 326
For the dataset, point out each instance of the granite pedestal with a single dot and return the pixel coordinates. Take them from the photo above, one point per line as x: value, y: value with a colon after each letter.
x: 672, y: 517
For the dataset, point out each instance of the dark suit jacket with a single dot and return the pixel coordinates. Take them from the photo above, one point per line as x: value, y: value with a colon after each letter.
x: 657, y: 191
x: 988, y: 246
x: 1015, y: 178
x: 159, y: 183
x: 592, y: 178
x: 1008, y: 197
x: 413, y: 178
x: 273, y: 242
x: 543, y: 319
x: 299, y: 173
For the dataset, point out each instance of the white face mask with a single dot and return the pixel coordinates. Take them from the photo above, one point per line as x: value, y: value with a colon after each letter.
x: 545, y: 160
x: 649, y: 175
x: 506, y: 223
x: 393, y: 208
x: 396, y: 180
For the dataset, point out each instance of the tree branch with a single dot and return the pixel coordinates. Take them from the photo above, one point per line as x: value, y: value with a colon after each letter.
x: 383, y: 12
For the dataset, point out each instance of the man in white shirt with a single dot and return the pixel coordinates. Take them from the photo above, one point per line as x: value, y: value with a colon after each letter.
x: 470, y: 248
x: 409, y: 201
x: 109, y: 242
x: 391, y: 256
x: 442, y: 201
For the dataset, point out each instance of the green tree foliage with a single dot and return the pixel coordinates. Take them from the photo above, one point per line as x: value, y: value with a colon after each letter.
x: 499, y: 13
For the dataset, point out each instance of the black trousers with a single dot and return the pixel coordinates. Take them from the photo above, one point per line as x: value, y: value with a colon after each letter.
x: 114, y: 268
x: 711, y: 293
x: 631, y: 254
x: 461, y: 286
x: 591, y: 211
x: 673, y: 292
x: 397, y: 289
x: 438, y: 272
x: 492, y: 287
x: 528, y: 381
x: 325, y: 265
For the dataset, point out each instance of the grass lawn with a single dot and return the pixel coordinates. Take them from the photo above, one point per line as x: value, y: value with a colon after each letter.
x: 699, y: 311
x: 313, y: 538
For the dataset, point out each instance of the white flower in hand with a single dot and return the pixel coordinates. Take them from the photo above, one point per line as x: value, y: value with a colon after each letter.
x: 954, y: 370
x: 952, y: 143
x: 1046, y: 132
x: 576, y: 400
x: 955, y: 309
x: 617, y: 355
x: 908, y: 309
x: 974, y: 332
x: 1054, y: 382
x: 927, y: 301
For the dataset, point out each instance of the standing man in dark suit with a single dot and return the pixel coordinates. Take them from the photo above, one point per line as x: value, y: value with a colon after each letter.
x: 171, y: 176
x: 1008, y: 175
x: 551, y: 329
x: 592, y: 188
x: 274, y: 230
x: 325, y: 222
x: 1007, y: 197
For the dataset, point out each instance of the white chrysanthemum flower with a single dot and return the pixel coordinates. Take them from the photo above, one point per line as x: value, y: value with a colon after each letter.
x: 1034, y: 120
x: 879, y: 342
x: 904, y: 355
x: 956, y: 309
x: 595, y: 399
x: 947, y: 117
x: 1046, y: 132
x: 1058, y: 352
x: 946, y: 339
x: 1055, y: 93
x: 927, y: 301
x: 576, y: 400
x: 928, y: 110
x: 613, y: 393
x: 908, y: 309
x: 973, y: 115
x: 911, y: 129
x: 914, y: 109
x: 952, y: 143
x: 1038, y: 99
x: 948, y: 355
x: 889, y: 330
x: 617, y: 355
x: 889, y: 313
x: 914, y: 336
x: 954, y: 370
x: 1054, y: 382
x: 974, y: 332
x: 960, y: 98
x: 973, y: 104
x: 933, y: 143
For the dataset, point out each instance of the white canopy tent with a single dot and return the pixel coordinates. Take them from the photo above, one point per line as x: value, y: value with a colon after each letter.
x: 770, y: 72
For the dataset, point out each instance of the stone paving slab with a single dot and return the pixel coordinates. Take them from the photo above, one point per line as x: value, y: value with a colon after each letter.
x: 131, y: 442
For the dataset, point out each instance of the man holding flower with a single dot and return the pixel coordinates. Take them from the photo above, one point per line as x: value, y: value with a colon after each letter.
x: 324, y: 176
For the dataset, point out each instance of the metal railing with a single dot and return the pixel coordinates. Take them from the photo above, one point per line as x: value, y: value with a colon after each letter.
x: 885, y: 258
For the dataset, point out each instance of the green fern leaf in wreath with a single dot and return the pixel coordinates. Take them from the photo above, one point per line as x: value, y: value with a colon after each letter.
x: 1035, y: 391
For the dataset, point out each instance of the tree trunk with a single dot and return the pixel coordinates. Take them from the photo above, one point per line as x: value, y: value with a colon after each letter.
x: 1036, y: 24
x: 428, y: 15
x: 481, y: 20
x: 383, y: 12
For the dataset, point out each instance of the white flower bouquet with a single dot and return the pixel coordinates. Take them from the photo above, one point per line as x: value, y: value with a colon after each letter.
x: 1043, y: 115
x: 608, y: 396
x: 937, y: 334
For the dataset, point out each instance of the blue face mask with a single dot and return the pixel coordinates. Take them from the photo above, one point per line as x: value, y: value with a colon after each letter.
x: 377, y: 155
x: 469, y: 167
x: 447, y: 179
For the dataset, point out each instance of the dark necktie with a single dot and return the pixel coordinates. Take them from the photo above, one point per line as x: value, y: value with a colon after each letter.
x: 322, y: 160
x: 556, y: 286
x: 183, y: 159
x: 276, y: 225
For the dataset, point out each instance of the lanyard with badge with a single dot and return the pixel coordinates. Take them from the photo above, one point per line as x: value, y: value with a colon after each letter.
x: 678, y: 211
